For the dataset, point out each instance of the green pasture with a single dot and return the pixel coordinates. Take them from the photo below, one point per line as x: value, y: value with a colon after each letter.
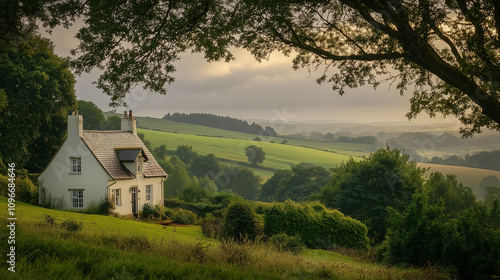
x: 278, y: 156
x: 353, y: 149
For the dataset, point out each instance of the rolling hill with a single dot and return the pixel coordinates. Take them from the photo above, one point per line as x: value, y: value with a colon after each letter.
x: 230, y: 146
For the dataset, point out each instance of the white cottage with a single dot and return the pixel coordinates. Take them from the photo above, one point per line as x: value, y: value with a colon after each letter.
x: 92, y: 165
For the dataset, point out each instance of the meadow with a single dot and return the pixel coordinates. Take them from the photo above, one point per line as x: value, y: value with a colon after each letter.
x: 115, y: 248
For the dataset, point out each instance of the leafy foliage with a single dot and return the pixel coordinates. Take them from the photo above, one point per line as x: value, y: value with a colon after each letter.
x: 240, y: 180
x: 470, y: 243
x: 201, y: 166
x: 296, y: 184
x: 92, y: 115
x: 185, y: 153
x: 446, y: 190
x: 184, y: 217
x: 317, y: 229
x: 284, y: 242
x: 255, y: 154
x: 239, y: 222
x: 39, y: 90
x: 364, y: 189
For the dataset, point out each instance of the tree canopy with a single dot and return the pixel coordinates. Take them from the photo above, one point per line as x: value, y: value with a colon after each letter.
x: 446, y: 52
x: 38, y: 89
x: 93, y: 119
x: 255, y: 154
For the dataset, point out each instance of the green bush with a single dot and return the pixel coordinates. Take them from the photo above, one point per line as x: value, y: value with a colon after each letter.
x: 72, y: 225
x: 26, y: 191
x: 284, y: 242
x: 323, y: 229
x: 184, y: 217
x: 200, y: 209
x: 239, y: 222
x: 469, y: 243
x: 211, y: 226
x: 104, y: 207
x: 149, y: 211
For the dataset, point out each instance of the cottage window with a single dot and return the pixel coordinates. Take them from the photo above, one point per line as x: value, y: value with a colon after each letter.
x: 77, y: 196
x: 118, y: 197
x: 76, y: 165
x: 139, y: 164
x: 149, y: 192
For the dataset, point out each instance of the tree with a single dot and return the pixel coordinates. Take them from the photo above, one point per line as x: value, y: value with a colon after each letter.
x: 39, y: 91
x: 202, y: 166
x: 160, y: 152
x: 255, y: 154
x: 176, y: 181
x: 240, y: 180
x: 112, y: 123
x: 93, y: 119
x: 185, y: 153
x: 364, y: 189
x: 296, y: 184
x: 445, y: 50
x: 447, y: 190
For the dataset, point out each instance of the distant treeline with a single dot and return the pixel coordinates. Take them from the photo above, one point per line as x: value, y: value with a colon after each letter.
x: 226, y: 123
x: 484, y: 160
x: 330, y: 137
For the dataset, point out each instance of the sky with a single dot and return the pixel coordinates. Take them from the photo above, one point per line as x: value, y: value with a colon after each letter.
x: 247, y: 89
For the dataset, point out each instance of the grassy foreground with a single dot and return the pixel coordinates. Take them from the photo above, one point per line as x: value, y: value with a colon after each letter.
x: 112, y: 248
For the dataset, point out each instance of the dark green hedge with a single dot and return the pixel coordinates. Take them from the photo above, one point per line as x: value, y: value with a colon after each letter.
x: 200, y: 209
x: 318, y: 228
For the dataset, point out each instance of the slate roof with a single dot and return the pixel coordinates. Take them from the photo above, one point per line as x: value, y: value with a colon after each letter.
x: 104, y: 145
x: 129, y: 154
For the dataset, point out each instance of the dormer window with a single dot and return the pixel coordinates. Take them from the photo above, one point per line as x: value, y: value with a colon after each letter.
x: 139, y: 164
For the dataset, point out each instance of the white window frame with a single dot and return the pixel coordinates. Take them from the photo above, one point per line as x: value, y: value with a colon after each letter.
x: 149, y: 192
x: 77, y: 198
x: 118, y: 197
x: 139, y: 164
x: 76, y: 165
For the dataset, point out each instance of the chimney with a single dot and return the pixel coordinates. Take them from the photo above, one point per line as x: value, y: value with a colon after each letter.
x: 128, y: 123
x: 75, y: 126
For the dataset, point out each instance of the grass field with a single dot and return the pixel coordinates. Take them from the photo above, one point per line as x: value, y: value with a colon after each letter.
x: 278, y: 156
x: 114, y: 248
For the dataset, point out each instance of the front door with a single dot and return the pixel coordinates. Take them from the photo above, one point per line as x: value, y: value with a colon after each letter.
x: 133, y: 191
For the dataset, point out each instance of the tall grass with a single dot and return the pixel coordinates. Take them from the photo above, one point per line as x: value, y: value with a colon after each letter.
x: 49, y: 251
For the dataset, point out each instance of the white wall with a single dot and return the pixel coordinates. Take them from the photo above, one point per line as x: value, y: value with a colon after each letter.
x: 140, y: 183
x: 57, y: 179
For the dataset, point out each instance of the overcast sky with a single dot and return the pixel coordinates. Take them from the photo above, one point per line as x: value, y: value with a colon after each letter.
x: 247, y: 89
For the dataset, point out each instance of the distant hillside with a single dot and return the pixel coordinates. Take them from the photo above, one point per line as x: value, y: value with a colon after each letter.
x: 226, y: 123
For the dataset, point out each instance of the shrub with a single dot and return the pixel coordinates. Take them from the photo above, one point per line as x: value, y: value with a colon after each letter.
x: 211, y: 226
x: 104, y: 207
x: 324, y: 229
x: 284, y: 242
x: 26, y: 191
x: 200, y: 209
x: 49, y: 219
x: 149, y: 211
x: 72, y: 225
x: 239, y: 222
x: 184, y: 217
